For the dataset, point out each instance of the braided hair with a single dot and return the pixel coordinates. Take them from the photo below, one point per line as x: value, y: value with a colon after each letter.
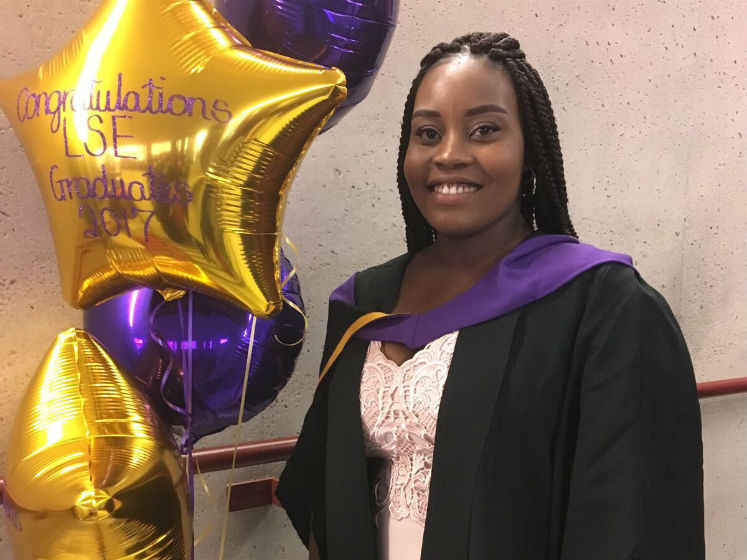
x: 544, y: 198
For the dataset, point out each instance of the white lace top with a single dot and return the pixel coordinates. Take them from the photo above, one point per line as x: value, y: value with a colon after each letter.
x: 399, y: 410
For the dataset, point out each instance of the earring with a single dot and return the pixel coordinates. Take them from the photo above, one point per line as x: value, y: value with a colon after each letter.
x: 528, y: 183
x: 528, y: 188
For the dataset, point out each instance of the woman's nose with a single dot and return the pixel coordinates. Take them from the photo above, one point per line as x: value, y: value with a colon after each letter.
x: 452, y: 151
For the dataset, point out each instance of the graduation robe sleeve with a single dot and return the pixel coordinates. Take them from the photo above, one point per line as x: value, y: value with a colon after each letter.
x: 635, y: 489
x: 301, y: 487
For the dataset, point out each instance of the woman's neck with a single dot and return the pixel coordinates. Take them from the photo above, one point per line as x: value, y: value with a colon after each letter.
x: 478, y: 253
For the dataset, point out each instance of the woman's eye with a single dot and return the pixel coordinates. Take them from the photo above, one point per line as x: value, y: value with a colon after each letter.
x: 485, y: 130
x: 427, y: 134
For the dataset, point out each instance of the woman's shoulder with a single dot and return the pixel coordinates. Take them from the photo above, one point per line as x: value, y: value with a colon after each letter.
x: 615, y: 288
x: 606, y: 273
x: 599, y: 279
x: 368, y: 279
x: 614, y: 279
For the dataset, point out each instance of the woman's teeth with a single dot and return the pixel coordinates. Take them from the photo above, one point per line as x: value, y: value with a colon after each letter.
x: 455, y: 188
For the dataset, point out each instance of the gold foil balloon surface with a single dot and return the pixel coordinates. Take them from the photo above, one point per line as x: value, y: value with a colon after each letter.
x: 164, y: 146
x: 91, y: 472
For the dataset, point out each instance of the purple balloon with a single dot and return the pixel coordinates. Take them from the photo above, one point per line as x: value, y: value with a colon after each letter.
x: 352, y: 35
x: 149, y: 337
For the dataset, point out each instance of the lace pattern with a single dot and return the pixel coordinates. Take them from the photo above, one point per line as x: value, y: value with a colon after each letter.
x: 399, y: 411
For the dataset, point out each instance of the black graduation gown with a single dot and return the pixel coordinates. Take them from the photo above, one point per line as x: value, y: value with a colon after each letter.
x: 568, y: 429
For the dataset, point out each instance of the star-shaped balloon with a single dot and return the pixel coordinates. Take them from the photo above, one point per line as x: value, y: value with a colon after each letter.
x: 164, y: 146
x: 92, y: 471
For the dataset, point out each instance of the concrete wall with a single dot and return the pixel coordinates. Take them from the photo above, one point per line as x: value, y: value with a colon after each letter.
x: 650, y: 102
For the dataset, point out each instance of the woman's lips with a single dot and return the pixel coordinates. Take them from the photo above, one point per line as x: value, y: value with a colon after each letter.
x: 445, y: 193
x: 455, y: 188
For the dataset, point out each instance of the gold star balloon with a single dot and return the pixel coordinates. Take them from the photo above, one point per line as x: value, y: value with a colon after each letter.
x: 91, y: 471
x: 164, y: 146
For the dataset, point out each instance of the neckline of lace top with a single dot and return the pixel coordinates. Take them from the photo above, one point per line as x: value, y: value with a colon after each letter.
x: 375, y: 348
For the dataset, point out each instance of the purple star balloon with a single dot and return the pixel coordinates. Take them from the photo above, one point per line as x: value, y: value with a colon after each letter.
x: 352, y: 35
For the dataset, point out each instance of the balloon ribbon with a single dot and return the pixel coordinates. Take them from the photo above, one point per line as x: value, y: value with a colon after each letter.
x: 236, y: 434
x: 357, y: 325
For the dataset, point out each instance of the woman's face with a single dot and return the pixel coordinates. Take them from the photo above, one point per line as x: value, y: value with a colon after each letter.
x: 464, y: 160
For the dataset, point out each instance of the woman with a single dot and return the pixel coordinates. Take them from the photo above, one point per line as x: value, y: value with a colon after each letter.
x: 502, y: 390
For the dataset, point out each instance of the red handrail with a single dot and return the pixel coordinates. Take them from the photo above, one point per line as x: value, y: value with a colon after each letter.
x: 722, y: 387
x: 253, y: 453
x: 248, y: 454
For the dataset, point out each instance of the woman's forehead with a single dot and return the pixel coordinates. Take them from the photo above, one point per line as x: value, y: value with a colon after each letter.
x: 465, y: 80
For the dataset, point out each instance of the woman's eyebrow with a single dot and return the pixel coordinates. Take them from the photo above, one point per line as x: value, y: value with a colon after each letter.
x: 485, y: 109
x: 489, y: 108
x: 426, y: 113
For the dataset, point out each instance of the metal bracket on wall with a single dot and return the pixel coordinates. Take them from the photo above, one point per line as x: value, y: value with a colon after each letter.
x: 253, y: 493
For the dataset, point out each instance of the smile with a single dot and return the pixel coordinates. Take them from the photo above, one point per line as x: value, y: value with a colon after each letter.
x: 454, y: 188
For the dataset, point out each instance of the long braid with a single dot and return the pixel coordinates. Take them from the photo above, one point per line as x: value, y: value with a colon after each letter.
x: 544, y: 196
x: 418, y: 231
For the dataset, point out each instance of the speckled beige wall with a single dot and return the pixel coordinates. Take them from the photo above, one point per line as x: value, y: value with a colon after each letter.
x: 650, y: 101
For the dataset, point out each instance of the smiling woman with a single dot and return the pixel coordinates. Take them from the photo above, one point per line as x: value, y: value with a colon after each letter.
x: 524, y: 395
x: 465, y: 157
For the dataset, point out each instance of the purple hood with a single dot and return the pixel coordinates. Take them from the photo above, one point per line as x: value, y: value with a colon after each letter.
x: 536, y: 267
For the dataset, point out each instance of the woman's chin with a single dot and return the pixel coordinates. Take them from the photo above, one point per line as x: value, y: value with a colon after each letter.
x: 455, y: 231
